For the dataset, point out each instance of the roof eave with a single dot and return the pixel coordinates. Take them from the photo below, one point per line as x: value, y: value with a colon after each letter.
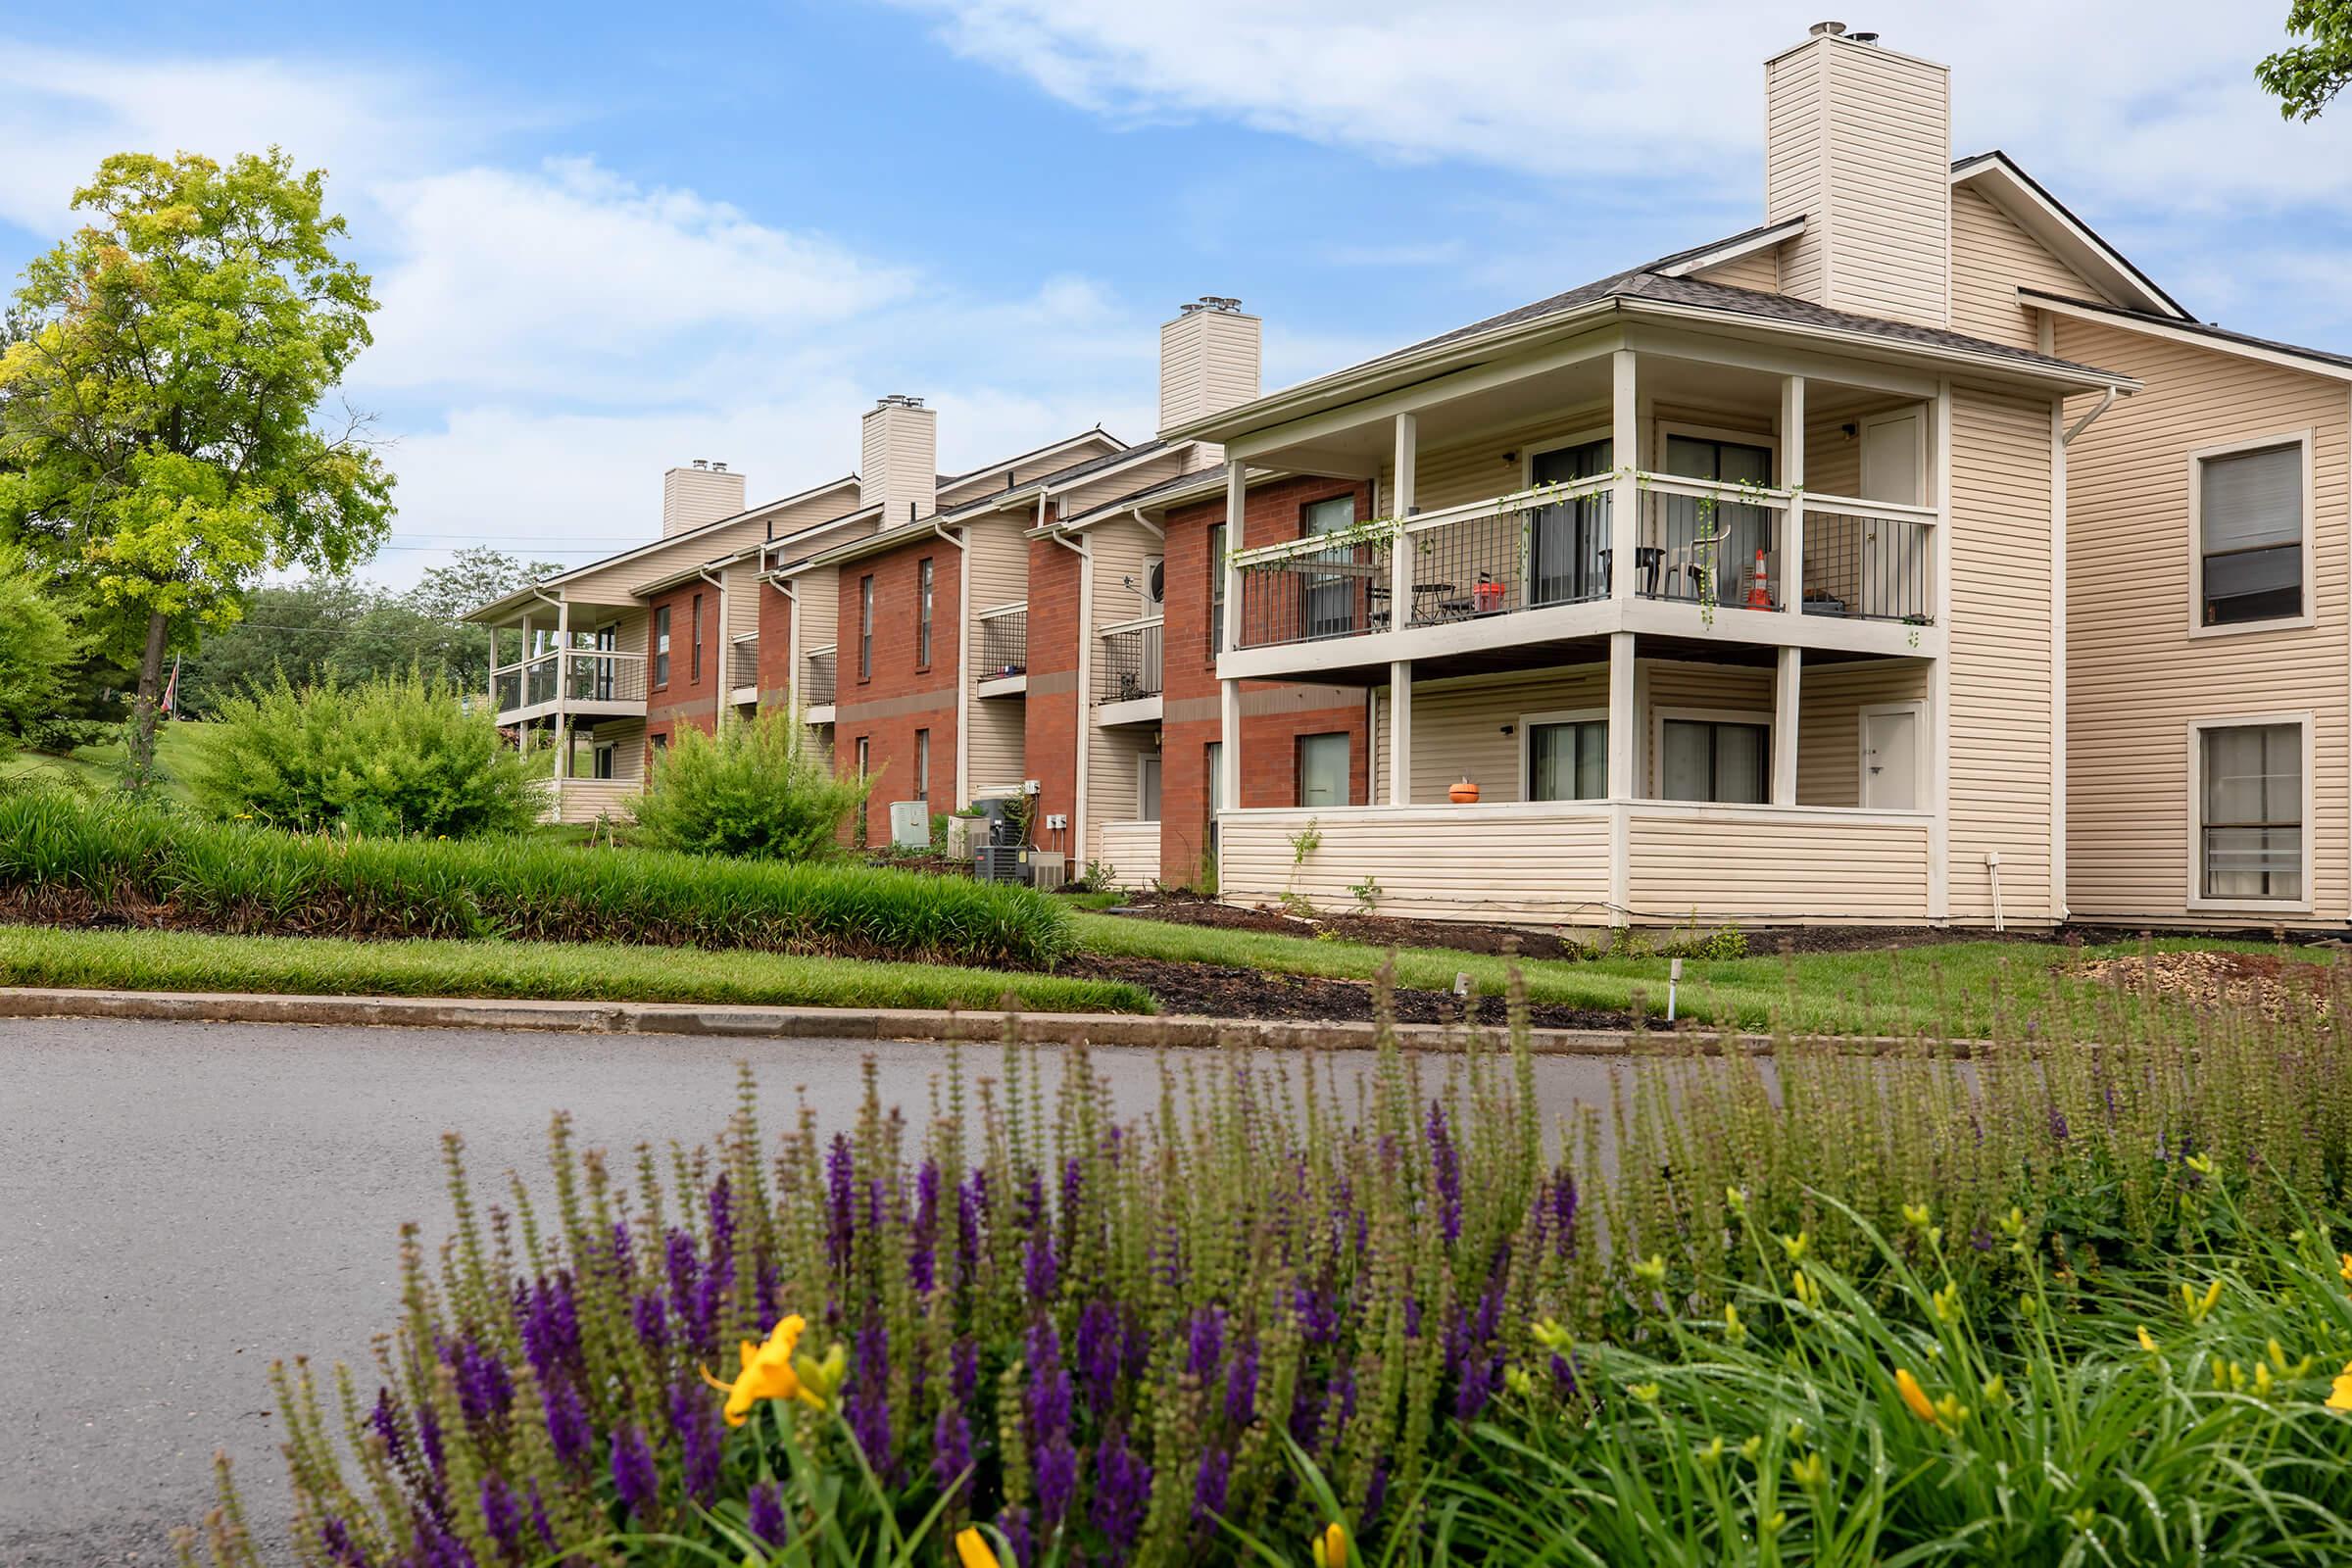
x: 2053, y: 216
x: 2194, y: 333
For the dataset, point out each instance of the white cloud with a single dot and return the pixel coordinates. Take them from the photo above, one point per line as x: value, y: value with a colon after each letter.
x: 2126, y: 100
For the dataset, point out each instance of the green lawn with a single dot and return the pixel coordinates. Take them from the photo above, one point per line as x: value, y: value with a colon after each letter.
x: 1881, y: 991
x: 101, y: 764
x: 161, y: 961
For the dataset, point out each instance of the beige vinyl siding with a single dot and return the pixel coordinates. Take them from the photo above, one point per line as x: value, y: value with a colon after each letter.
x: 1774, y: 866
x: 1830, y: 704
x: 1000, y: 475
x: 1991, y: 259
x: 1760, y: 271
x: 1547, y: 863
x: 1209, y: 361
x: 816, y: 607
x: 2001, y: 688
x: 821, y: 508
x: 613, y: 584
x: 1889, y: 157
x: 996, y: 571
x: 584, y: 800
x: 1110, y: 487
x: 898, y: 461
x: 2134, y: 675
x: 1794, y: 167
x: 1132, y: 852
x: 1120, y: 550
x: 1669, y: 684
x: 742, y: 598
x: 1459, y: 728
x: 1114, y: 778
x: 1454, y: 474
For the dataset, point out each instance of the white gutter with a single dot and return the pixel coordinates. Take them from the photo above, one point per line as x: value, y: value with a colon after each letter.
x: 2083, y: 423
x: 718, y: 708
x: 963, y: 668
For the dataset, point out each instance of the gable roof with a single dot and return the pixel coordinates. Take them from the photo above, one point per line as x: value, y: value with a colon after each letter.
x: 1997, y: 176
x: 2321, y: 362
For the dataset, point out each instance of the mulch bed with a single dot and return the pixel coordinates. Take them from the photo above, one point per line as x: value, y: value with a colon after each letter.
x: 1375, y: 930
x: 1228, y: 991
x: 2273, y: 984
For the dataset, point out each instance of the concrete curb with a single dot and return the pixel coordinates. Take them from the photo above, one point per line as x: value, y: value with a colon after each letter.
x: 775, y: 1023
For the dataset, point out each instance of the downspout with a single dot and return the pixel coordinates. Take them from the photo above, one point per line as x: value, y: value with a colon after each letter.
x: 1086, y: 640
x: 719, y: 707
x: 792, y: 638
x: 2106, y: 402
x: 963, y: 666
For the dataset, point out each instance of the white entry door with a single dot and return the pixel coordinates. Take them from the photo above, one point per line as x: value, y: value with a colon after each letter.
x: 1891, y: 758
x: 1895, y: 461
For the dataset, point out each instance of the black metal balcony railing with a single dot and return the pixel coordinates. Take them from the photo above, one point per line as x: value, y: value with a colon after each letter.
x: 1004, y: 643
x: 1131, y: 663
x: 1868, y: 567
x: 1338, y: 591
x: 743, y: 661
x: 818, y: 679
x: 587, y: 676
x: 1703, y: 549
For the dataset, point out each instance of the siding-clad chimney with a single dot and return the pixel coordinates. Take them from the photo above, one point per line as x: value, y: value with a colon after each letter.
x: 1858, y: 141
x: 704, y: 493
x: 900, y: 468
x: 1208, y: 362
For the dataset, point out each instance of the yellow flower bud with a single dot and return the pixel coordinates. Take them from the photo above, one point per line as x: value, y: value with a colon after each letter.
x: 1737, y: 1201
x: 1646, y: 1392
x: 1651, y: 1272
x: 1796, y: 1245
x: 1915, y: 1215
x: 2147, y: 1340
x: 1755, y: 1445
x: 1809, y: 1471
x: 1711, y: 1455
x: 1733, y: 1329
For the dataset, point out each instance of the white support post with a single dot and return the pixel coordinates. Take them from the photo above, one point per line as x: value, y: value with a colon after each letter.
x: 2057, y: 656
x: 1229, y: 753
x: 1625, y: 517
x: 1400, y: 732
x: 1939, y: 825
x: 1785, y: 722
x: 562, y: 711
x: 1229, y: 692
x: 1792, y: 481
x: 1236, y: 499
x: 1400, y: 606
x: 1624, y: 741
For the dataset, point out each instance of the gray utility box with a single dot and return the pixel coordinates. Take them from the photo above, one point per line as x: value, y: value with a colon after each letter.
x: 910, y: 825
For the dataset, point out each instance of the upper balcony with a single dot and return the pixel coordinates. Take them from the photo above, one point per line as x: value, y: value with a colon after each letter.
x: 1128, y: 673
x: 743, y: 670
x: 818, y: 684
x: 1002, y: 657
x: 592, y: 681
x: 1758, y: 507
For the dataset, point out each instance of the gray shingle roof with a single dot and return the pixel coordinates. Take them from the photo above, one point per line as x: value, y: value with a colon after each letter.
x: 2202, y: 330
x: 1076, y: 470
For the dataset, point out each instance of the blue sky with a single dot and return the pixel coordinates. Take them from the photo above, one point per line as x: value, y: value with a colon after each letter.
x: 609, y: 238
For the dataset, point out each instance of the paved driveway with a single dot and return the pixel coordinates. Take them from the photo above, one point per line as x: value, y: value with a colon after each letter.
x: 182, y: 1204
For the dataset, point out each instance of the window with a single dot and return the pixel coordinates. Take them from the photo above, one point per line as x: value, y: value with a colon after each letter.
x: 1217, y: 589
x: 601, y: 762
x: 1215, y: 765
x: 1146, y: 790
x: 2250, y: 812
x: 1711, y: 760
x: 694, y: 661
x: 661, y: 646
x: 922, y: 617
x: 865, y: 632
x: 1567, y: 756
x: 1323, y: 770
x: 2249, y: 515
x: 657, y: 747
x: 864, y: 753
x: 1568, y: 544
x: 922, y: 761
x: 1329, y: 597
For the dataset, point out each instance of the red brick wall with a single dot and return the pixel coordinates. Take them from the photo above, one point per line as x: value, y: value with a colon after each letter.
x: 1053, y: 709
x: 775, y: 642
x: 1269, y: 740
x: 684, y: 698
x: 900, y: 696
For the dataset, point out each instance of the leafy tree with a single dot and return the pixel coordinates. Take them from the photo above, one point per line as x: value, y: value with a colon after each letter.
x: 445, y: 595
x: 2306, y: 77
x: 38, y: 650
x: 156, y: 431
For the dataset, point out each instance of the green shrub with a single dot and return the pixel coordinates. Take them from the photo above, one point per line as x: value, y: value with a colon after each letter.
x: 758, y: 788
x: 395, y: 754
x: 69, y: 859
x: 37, y: 646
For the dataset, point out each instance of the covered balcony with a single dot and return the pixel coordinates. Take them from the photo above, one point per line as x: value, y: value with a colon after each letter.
x: 1128, y: 673
x: 595, y: 681
x: 743, y: 670
x: 818, y: 685
x: 1003, y: 650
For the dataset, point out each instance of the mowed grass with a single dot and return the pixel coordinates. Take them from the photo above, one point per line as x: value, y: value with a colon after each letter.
x: 1963, y: 986
x: 555, y: 971
x: 100, y: 766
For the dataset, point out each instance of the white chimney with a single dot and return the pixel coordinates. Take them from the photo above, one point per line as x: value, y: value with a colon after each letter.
x: 1208, y: 362
x: 1858, y: 142
x: 900, y: 466
x: 702, y: 493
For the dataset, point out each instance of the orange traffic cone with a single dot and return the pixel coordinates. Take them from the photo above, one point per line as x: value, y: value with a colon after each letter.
x: 1759, y: 586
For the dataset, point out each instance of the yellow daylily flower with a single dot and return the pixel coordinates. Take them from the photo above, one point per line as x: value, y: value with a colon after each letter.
x: 2346, y: 1270
x: 767, y: 1374
x: 1733, y: 1329
x: 1806, y: 1290
x: 1945, y: 1302
x: 1548, y: 1332
x: 1646, y: 1392
x: 1914, y: 1397
x: 2201, y: 1307
x: 1330, y: 1548
x: 1651, y: 1272
x: 2339, y: 1397
x: 2147, y: 1340
x: 972, y: 1550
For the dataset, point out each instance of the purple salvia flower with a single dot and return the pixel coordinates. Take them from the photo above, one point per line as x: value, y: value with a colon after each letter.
x: 1056, y: 1479
x: 921, y: 1267
x: 693, y: 1419
x: 1563, y: 1375
x: 429, y: 1437
x: 1073, y: 1186
x: 539, y: 1521
x: 551, y: 1325
x: 1563, y: 1212
x: 767, y: 1292
x: 436, y: 1547
x: 502, y: 1513
x: 684, y: 1269
x: 1318, y: 1315
x: 1097, y: 1354
x: 1208, y: 1488
x: 867, y: 1407
x: 2058, y: 1125
x: 971, y: 1207
x: 950, y: 1447
x: 1122, y: 1491
x: 624, y: 1262
x: 387, y: 1425
x: 841, y: 1205
x: 722, y: 1204
x: 1376, y: 1492
x: 1038, y: 1269
x: 649, y: 1321
x: 341, y: 1549
x: 484, y: 1389
x: 963, y: 1369
x: 1412, y: 1317
x: 1014, y: 1523
x: 766, y: 1508
x: 712, y: 1292
x: 1241, y: 1389
x: 569, y: 1430
x: 634, y: 1479
x: 1048, y: 1393
x: 1206, y: 1346
x: 1446, y: 1169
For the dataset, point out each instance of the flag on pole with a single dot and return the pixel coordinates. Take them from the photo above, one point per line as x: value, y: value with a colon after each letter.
x: 172, y: 686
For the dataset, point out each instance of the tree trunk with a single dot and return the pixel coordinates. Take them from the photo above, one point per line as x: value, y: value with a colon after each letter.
x: 141, y: 749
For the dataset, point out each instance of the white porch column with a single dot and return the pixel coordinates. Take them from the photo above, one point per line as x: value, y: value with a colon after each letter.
x: 1625, y: 517
x: 1784, y: 713
x: 1229, y: 752
x: 1229, y: 692
x: 1400, y: 732
x: 1939, y: 716
x: 1401, y: 615
x: 1792, y: 479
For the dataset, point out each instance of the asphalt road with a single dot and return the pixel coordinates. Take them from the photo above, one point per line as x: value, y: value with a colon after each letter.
x: 182, y: 1204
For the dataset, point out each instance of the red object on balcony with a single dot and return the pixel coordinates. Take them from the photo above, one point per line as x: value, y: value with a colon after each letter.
x: 1463, y: 793
x: 1486, y: 597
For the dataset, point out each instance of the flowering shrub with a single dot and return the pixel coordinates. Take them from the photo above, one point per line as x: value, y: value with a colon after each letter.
x: 2083, y: 1308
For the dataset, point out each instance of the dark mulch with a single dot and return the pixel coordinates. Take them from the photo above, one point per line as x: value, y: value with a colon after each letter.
x: 1375, y: 930
x: 1228, y: 991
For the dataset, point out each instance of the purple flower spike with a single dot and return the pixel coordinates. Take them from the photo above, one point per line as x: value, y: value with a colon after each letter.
x: 950, y: 1448
x: 1038, y: 1268
x: 1122, y: 1492
x: 567, y: 1427
x: 694, y: 1418
x: 867, y: 1406
x: 502, y: 1511
x: 1097, y: 1354
x: 1048, y: 1393
x: 634, y: 1477
x: 1445, y: 1166
x: 841, y: 1194
x: 1056, y: 1479
x: 1209, y: 1489
x: 1241, y: 1389
x: 766, y: 1506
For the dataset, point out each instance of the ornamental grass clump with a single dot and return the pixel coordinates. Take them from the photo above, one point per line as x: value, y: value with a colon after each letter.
x: 66, y: 860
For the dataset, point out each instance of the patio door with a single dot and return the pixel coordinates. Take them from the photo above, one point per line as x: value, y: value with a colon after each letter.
x: 1722, y: 540
x: 1895, y: 462
x: 1329, y: 610
x: 1568, y: 545
x: 1891, y: 758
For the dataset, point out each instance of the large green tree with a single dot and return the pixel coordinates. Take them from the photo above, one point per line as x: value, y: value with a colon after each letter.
x: 160, y: 430
x: 2307, y: 77
x: 38, y: 649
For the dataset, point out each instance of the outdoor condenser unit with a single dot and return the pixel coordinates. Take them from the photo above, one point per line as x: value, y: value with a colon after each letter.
x: 998, y: 862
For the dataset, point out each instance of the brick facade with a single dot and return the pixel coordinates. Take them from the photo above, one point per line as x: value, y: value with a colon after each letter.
x: 898, y: 696
x: 775, y: 644
x: 1055, y: 711
x: 689, y: 696
x: 1193, y: 719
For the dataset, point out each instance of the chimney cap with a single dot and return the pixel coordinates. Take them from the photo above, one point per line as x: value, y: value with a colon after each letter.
x: 898, y: 400
x: 1222, y: 303
x: 701, y: 462
x: 718, y: 467
x: 1862, y: 37
x: 1829, y: 30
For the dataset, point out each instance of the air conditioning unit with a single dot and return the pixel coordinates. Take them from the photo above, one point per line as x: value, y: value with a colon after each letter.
x: 910, y: 825
x: 999, y: 862
x: 1049, y: 871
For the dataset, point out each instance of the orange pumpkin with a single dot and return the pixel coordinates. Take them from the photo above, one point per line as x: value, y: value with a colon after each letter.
x: 1463, y: 793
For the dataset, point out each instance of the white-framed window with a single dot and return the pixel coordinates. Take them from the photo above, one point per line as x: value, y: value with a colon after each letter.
x: 924, y: 580
x: 2250, y: 505
x: 922, y: 765
x: 2250, y: 812
x: 1720, y: 757
x: 1147, y: 787
x: 1564, y: 755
